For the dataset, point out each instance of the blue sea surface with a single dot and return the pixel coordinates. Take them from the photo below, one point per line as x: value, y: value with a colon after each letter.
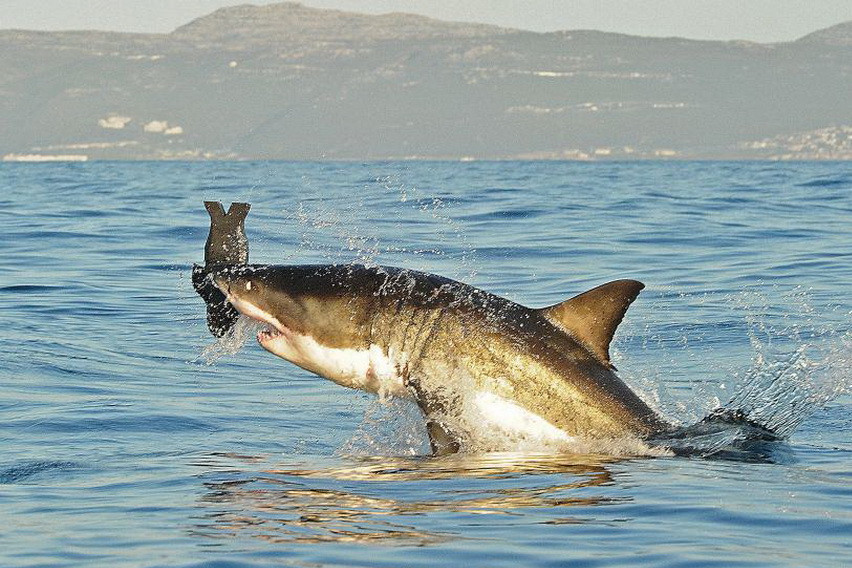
x: 130, y: 437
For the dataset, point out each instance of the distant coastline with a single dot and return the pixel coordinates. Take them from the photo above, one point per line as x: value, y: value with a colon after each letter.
x: 45, y: 158
x: 288, y: 82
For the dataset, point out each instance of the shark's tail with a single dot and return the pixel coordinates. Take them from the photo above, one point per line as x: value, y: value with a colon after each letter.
x: 776, y: 397
x: 723, y: 430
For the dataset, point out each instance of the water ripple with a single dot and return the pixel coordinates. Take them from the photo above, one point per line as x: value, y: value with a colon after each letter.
x: 23, y: 471
x: 243, y: 459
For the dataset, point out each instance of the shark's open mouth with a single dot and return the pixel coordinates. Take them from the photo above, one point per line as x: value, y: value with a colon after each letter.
x: 269, y: 334
x: 273, y: 330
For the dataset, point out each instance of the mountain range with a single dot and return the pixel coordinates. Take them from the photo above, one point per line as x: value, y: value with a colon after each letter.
x: 285, y: 81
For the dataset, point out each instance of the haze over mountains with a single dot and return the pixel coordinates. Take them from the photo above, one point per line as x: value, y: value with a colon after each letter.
x: 285, y: 81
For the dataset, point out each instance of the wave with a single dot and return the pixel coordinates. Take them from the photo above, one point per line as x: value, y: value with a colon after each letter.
x: 23, y: 471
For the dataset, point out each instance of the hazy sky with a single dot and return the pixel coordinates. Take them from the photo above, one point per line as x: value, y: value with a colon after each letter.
x: 756, y: 20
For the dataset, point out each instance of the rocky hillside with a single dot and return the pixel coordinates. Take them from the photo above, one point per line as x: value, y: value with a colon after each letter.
x: 290, y: 82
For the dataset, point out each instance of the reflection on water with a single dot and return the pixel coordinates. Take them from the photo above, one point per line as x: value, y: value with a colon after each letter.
x: 395, y: 500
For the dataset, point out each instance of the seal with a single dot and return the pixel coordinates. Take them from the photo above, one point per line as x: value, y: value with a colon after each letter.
x: 227, y: 245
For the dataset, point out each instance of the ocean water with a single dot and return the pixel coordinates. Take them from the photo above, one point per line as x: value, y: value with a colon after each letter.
x: 130, y: 437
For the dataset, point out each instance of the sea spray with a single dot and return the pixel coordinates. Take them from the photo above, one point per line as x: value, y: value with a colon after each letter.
x: 231, y: 342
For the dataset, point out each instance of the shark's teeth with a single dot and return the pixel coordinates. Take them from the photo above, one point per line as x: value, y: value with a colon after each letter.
x: 268, y: 334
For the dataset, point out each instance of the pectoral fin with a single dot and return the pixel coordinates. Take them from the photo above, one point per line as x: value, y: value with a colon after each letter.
x: 433, y: 406
x: 440, y: 439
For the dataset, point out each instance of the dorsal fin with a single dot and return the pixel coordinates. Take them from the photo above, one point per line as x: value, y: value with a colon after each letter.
x: 593, y: 316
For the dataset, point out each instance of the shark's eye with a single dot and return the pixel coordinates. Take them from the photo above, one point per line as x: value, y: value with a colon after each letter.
x: 248, y: 285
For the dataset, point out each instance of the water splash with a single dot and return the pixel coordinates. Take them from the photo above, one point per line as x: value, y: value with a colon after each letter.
x: 799, y: 362
x: 231, y: 342
x: 389, y: 427
x: 783, y: 391
x: 356, y: 238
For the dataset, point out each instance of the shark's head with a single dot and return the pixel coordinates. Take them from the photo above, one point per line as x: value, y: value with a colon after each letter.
x: 272, y: 296
x: 313, y: 314
x: 298, y: 303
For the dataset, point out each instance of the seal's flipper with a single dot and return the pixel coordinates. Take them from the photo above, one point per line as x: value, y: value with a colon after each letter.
x: 226, y: 245
x: 226, y: 242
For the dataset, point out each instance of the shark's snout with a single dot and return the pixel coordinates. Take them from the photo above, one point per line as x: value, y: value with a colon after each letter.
x: 248, y: 298
x: 232, y: 282
x: 234, y: 290
x: 223, y: 284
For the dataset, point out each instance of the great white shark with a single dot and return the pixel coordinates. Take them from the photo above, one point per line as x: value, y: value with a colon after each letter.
x: 472, y: 361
